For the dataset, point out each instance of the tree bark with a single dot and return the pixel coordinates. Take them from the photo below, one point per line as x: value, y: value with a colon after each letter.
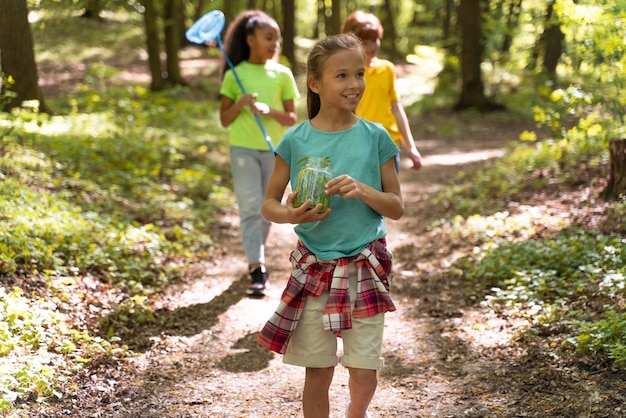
x: 152, y: 43
x: 469, y: 19
x: 553, y: 43
x: 616, y: 186
x: 472, y: 88
x: 390, y: 30
x: 447, y: 38
x: 515, y: 10
x: 326, y: 15
x: 93, y: 9
x: 172, y: 41
x: 335, y: 18
x: 17, y: 56
x: 289, y: 18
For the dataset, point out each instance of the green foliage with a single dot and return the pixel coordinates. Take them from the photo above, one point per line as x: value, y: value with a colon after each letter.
x: 6, y: 94
x: 591, y: 110
x: 583, y: 132
x: 551, y: 278
x: 41, y: 348
x: 527, y: 166
x: 604, y: 336
x: 122, y: 185
x: 36, y: 347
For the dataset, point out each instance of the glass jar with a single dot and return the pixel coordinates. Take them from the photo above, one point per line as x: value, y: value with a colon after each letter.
x: 312, y: 178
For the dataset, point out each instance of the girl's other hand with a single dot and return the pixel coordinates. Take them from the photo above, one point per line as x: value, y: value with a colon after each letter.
x: 303, y: 214
x: 248, y: 99
x: 344, y: 186
x: 260, y: 108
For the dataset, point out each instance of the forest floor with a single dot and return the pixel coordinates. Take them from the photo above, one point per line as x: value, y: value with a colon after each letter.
x: 445, y: 356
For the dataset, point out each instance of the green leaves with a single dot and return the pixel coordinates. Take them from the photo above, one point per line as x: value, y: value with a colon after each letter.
x: 551, y: 279
x: 121, y: 195
x: 33, y: 337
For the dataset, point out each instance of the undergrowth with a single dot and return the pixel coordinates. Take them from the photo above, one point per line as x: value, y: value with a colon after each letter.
x: 565, y: 278
x: 121, y: 186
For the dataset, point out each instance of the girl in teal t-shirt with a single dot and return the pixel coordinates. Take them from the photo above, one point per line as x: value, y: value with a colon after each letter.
x: 340, y: 277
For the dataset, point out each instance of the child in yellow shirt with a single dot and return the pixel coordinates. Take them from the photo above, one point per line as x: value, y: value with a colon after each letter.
x: 381, y: 102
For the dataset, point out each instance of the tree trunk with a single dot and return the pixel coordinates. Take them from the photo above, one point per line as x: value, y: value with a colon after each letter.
x: 289, y: 18
x: 390, y: 30
x: 448, y: 39
x: 328, y: 23
x: 553, y: 43
x: 335, y: 18
x: 617, y: 178
x: 472, y: 88
x: 181, y: 27
x: 198, y: 10
x: 17, y: 57
x: 172, y: 41
x: 320, y: 19
x: 152, y: 43
x: 93, y: 9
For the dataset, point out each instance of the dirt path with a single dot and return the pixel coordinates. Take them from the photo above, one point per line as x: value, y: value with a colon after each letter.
x: 444, y: 358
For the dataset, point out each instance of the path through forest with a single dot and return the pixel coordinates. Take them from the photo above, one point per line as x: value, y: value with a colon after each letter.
x: 444, y: 357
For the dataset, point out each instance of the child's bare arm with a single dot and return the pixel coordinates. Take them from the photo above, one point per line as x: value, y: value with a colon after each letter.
x: 406, y: 136
x: 387, y: 202
x: 287, y: 117
x: 229, y: 109
x: 273, y: 209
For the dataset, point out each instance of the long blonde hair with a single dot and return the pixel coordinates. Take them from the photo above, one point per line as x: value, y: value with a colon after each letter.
x: 321, y: 51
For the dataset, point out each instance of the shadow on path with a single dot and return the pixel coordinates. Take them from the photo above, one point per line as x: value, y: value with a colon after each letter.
x: 184, y: 321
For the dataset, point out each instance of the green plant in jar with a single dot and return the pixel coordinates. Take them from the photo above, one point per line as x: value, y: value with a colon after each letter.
x: 312, y: 178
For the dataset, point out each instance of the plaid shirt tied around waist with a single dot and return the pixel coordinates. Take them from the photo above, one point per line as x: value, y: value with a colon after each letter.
x: 310, y: 277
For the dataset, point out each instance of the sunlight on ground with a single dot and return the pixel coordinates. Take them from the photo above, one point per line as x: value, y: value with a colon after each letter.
x: 421, y: 80
x: 456, y: 158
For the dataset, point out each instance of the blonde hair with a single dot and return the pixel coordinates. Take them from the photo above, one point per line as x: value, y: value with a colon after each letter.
x: 365, y: 25
x: 318, y: 56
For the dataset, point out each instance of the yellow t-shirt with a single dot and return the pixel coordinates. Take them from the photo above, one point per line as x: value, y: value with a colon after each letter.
x: 380, y: 92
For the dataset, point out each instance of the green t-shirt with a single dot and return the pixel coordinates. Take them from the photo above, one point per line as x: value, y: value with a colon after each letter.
x: 274, y: 83
x: 359, y: 151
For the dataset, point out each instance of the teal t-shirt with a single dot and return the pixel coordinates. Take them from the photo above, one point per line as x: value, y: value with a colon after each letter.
x: 359, y: 151
x: 274, y: 83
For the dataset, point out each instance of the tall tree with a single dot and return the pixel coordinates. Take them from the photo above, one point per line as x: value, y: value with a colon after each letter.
x: 390, y: 29
x: 93, y: 9
x: 289, y: 19
x: 17, y: 56
x: 513, y: 17
x: 552, y: 40
x: 469, y: 19
x: 447, y: 27
x: 151, y: 22
x: 171, y: 74
x: 335, y: 18
x: 171, y: 12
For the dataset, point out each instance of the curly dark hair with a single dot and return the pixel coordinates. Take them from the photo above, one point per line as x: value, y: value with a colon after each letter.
x: 244, y: 24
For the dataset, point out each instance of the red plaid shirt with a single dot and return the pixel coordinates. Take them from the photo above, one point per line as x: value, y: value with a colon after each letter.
x: 310, y: 277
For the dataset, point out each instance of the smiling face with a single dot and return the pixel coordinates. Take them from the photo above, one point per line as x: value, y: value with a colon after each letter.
x: 342, y: 81
x: 264, y: 43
